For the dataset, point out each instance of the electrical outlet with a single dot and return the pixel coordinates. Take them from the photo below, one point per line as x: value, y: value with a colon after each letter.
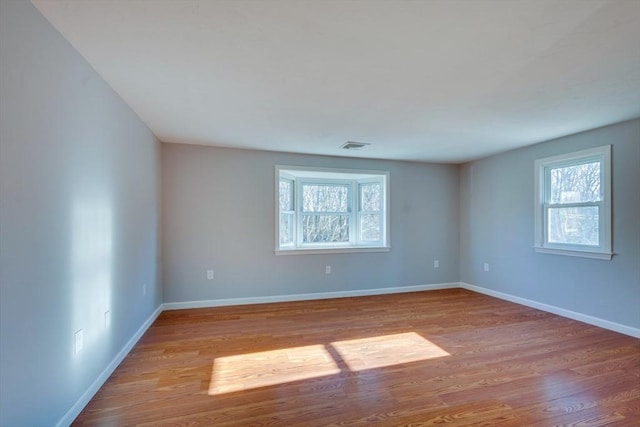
x: 327, y: 269
x: 144, y: 289
x: 436, y: 264
x: 78, y: 341
x: 107, y: 319
x: 486, y: 266
x: 210, y: 274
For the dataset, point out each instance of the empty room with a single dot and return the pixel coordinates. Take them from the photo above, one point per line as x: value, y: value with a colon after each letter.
x: 319, y: 213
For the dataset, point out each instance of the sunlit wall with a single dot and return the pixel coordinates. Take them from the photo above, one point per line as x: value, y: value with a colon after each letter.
x: 79, y: 219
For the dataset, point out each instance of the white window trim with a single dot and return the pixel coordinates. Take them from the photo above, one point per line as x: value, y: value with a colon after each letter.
x: 305, y: 173
x: 604, y: 250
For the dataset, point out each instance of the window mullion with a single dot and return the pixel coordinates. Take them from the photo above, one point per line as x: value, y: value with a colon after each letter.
x: 298, y: 208
x: 572, y: 204
x: 294, y: 201
x: 354, y: 226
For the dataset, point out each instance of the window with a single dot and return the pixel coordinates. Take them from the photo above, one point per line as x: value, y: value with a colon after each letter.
x: 573, y: 204
x: 331, y: 210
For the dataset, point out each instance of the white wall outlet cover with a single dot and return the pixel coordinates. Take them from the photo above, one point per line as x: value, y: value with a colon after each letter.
x: 210, y: 274
x: 436, y: 263
x: 327, y: 269
x: 78, y: 341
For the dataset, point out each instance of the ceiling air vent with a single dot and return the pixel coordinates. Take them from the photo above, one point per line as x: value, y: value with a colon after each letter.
x: 352, y: 145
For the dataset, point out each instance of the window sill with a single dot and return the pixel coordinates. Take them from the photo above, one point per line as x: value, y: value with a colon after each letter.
x: 568, y: 252
x: 349, y: 249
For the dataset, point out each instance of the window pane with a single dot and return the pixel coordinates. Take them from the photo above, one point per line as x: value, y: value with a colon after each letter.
x: 325, y: 198
x: 575, y: 225
x: 286, y: 195
x: 286, y: 228
x: 325, y: 228
x: 580, y: 183
x: 370, y: 227
x: 370, y: 197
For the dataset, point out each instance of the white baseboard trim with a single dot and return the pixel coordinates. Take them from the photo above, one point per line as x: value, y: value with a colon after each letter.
x: 305, y: 297
x: 75, y: 410
x: 596, y: 321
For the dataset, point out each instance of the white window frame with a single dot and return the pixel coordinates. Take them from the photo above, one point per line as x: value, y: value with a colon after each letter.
x: 352, y: 178
x: 542, y: 203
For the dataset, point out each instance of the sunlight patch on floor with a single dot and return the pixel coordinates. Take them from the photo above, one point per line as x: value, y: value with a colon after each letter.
x: 267, y: 368
x: 387, y: 350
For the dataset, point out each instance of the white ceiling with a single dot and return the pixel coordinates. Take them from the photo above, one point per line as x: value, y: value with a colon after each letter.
x: 432, y: 80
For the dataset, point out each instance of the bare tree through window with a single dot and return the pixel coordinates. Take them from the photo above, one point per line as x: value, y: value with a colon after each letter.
x: 287, y: 212
x: 325, y: 216
x: 569, y: 186
x: 370, y: 211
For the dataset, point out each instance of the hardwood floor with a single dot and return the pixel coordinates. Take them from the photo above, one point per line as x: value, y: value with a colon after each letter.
x: 450, y: 357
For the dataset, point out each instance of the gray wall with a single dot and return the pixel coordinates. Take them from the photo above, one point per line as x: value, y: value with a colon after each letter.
x: 497, y: 226
x: 80, y: 225
x: 79, y: 221
x: 218, y: 212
